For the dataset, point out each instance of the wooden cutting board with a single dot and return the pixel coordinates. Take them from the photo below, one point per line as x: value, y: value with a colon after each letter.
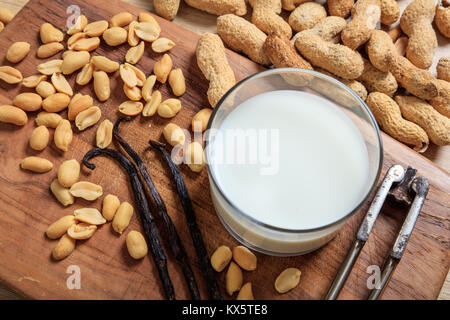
x: 107, y: 272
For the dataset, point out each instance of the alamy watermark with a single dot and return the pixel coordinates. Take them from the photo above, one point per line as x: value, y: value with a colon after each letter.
x: 74, y: 280
x: 249, y: 146
x: 374, y: 280
x: 73, y: 21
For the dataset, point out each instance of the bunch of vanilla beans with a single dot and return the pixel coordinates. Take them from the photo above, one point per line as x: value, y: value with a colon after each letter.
x: 139, y: 177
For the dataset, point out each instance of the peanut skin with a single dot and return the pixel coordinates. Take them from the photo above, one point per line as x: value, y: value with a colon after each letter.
x: 388, y: 115
x: 328, y: 29
x: 378, y: 81
x: 417, y: 81
x: 213, y: 63
x: 442, y: 102
x: 274, y: 5
x: 166, y: 8
x: 418, y: 111
x: 243, y: 36
x: 378, y: 47
x: 290, y: 5
x: 365, y: 15
x: 442, y: 20
x: 383, y: 56
x: 416, y: 23
x: 219, y: 7
x: 443, y: 69
x: 340, y: 8
x: 356, y: 86
x: 306, y: 15
x: 282, y: 53
x: 390, y: 12
x: 335, y: 58
x: 266, y: 18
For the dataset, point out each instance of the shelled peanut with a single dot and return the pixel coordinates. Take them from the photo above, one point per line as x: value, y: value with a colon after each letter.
x: 17, y: 51
x: 136, y: 245
x: 233, y: 278
x: 86, y: 190
x: 242, y: 258
x: 39, y: 138
x: 173, y: 134
x: 246, y: 292
x: 194, y: 156
x: 169, y: 108
x: 6, y: 15
x: 104, y: 134
x: 83, y: 223
x: 58, y: 228
x: 10, y: 75
x: 36, y: 164
x: 64, y: 248
x: 109, y: 207
x: 63, y: 135
x: 62, y: 194
x: 48, y: 33
x: 287, y: 280
x: 200, y: 120
x: 122, y: 217
x: 68, y: 173
x: 33, y: 81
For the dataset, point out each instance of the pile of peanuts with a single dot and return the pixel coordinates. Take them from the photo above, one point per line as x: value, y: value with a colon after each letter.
x: 244, y: 259
x: 84, y: 221
x: 57, y: 95
x: 388, y: 70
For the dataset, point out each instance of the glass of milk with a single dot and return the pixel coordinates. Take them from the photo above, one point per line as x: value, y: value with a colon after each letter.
x: 291, y: 155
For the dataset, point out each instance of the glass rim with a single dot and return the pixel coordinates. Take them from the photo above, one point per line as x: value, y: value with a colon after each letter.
x: 362, y: 104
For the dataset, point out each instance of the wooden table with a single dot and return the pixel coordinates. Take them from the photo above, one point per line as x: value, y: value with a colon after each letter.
x: 200, y: 22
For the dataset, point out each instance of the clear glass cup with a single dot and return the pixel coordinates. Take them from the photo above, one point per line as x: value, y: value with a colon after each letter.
x: 263, y: 237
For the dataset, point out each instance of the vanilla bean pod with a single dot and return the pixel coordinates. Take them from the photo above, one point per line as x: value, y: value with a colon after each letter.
x: 144, y: 211
x: 196, y: 235
x: 174, y: 239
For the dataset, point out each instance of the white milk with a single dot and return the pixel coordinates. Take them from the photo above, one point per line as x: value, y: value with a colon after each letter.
x: 319, y: 165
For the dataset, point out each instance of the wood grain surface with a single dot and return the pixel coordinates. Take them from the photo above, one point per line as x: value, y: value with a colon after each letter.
x: 27, y: 206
